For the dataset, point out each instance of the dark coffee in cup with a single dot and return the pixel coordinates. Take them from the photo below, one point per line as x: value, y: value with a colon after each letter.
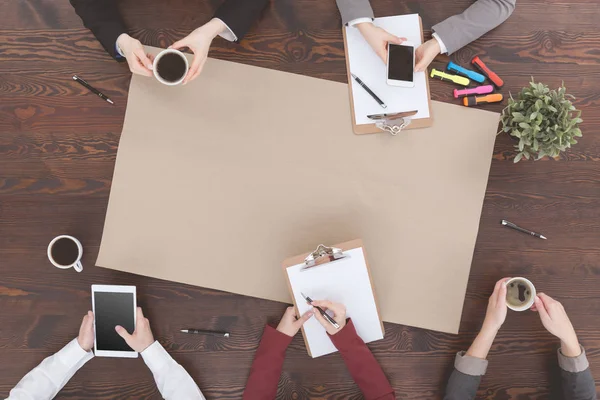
x: 65, y: 252
x: 171, y: 67
x: 520, y: 294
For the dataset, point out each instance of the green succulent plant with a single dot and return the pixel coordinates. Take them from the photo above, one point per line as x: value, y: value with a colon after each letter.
x: 544, y: 121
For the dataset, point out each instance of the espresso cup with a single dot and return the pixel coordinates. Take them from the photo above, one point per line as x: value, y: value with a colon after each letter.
x: 65, y: 251
x: 170, y: 67
x: 520, y: 294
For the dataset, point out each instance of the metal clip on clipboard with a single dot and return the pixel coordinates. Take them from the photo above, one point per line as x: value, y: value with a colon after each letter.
x: 322, y: 255
x: 392, y: 123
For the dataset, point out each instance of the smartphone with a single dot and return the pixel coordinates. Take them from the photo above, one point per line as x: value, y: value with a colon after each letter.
x: 401, y: 64
x: 113, y: 305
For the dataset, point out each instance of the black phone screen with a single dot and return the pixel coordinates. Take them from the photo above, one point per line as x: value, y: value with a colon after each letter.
x: 112, y: 309
x: 400, y: 62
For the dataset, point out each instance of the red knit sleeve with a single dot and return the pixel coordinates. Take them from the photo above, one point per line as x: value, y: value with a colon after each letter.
x: 361, y: 363
x: 266, y: 368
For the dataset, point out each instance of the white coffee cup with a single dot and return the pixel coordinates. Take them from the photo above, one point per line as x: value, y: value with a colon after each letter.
x: 529, y: 287
x: 77, y: 263
x: 155, y: 67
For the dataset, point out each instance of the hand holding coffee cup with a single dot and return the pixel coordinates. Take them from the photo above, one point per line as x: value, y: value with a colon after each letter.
x: 139, y: 62
x: 557, y: 322
x: 65, y: 251
x: 199, y: 43
x: 496, y: 310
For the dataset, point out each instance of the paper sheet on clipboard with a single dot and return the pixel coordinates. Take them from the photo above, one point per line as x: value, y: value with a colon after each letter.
x: 344, y: 281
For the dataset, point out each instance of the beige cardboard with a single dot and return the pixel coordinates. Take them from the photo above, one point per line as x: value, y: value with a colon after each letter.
x: 217, y: 182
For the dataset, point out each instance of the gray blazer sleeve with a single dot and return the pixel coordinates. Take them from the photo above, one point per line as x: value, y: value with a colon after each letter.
x: 577, y: 380
x: 465, y: 378
x: 461, y: 29
x: 354, y: 9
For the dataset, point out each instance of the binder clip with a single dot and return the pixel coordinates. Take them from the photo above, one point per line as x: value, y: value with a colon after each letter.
x: 323, y: 254
x: 393, y: 123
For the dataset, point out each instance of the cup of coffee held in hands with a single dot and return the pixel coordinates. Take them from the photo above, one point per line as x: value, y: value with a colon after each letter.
x: 170, y: 67
x: 520, y: 294
x: 65, y: 251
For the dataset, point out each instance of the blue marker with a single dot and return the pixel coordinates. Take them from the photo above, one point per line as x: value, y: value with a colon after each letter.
x: 477, y: 77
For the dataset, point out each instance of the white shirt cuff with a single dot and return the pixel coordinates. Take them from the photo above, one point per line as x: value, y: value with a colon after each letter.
x: 155, y: 356
x: 443, y: 48
x: 228, y: 34
x: 359, y: 21
x: 73, y: 354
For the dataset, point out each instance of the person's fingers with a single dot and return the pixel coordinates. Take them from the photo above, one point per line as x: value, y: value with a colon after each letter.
x: 541, y: 309
x: 179, y: 44
x: 123, y: 333
x: 289, y: 314
x: 305, y: 317
x: 193, y: 68
x: 136, y: 67
x: 320, y: 318
x: 500, y: 289
x: 394, y: 39
x: 198, y: 71
x: 545, y: 298
x: 337, y: 309
x: 143, y: 58
x: 501, y: 300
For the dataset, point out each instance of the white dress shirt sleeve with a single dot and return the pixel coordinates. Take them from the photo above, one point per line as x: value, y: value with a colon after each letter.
x: 359, y: 21
x: 227, y: 34
x: 172, y: 380
x: 48, y: 378
x: 443, y: 48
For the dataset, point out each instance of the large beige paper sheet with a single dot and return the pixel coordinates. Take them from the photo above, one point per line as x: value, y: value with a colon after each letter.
x: 217, y: 182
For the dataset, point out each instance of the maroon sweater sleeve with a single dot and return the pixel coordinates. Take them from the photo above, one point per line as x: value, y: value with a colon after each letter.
x: 266, y: 368
x: 361, y: 363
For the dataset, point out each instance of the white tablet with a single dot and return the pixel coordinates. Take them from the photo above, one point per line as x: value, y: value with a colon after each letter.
x: 113, y: 305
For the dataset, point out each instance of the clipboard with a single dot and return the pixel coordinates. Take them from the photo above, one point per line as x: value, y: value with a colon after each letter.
x: 399, y: 124
x: 326, y: 255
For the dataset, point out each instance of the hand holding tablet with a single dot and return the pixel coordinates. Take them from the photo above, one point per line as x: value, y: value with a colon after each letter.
x: 142, y: 336
x: 113, y: 306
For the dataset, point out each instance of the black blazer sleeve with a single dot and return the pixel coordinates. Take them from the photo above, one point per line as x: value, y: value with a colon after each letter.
x: 102, y: 17
x: 239, y: 15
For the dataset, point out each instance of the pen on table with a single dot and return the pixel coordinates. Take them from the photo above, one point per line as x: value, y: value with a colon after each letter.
x: 92, y: 89
x: 518, y: 228
x: 373, y: 95
x: 321, y: 311
x: 205, y: 332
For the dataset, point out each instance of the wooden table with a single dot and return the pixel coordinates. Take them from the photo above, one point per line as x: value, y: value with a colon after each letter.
x: 58, y: 145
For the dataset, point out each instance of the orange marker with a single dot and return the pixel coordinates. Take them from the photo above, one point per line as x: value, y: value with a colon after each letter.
x: 491, y: 75
x: 471, y: 101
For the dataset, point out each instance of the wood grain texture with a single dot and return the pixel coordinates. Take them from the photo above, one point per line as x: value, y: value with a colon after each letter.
x: 58, y: 146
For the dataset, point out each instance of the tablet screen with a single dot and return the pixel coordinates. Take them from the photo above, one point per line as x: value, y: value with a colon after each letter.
x: 113, y: 309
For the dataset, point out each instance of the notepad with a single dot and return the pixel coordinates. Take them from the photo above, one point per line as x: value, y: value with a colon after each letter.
x: 344, y: 281
x: 367, y: 65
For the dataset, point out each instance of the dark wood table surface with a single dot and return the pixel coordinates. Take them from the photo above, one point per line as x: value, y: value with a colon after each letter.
x: 58, y: 146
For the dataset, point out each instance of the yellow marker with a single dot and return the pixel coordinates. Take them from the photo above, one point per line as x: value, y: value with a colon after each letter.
x: 459, y: 80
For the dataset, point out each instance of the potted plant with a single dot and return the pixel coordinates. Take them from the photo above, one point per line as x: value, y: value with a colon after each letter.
x: 544, y: 121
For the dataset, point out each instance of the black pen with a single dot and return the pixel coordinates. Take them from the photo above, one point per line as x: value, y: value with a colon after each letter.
x: 92, y: 89
x: 204, y: 332
x: 518, y: 228
x: 373, y: 95
x: 321, y: 311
